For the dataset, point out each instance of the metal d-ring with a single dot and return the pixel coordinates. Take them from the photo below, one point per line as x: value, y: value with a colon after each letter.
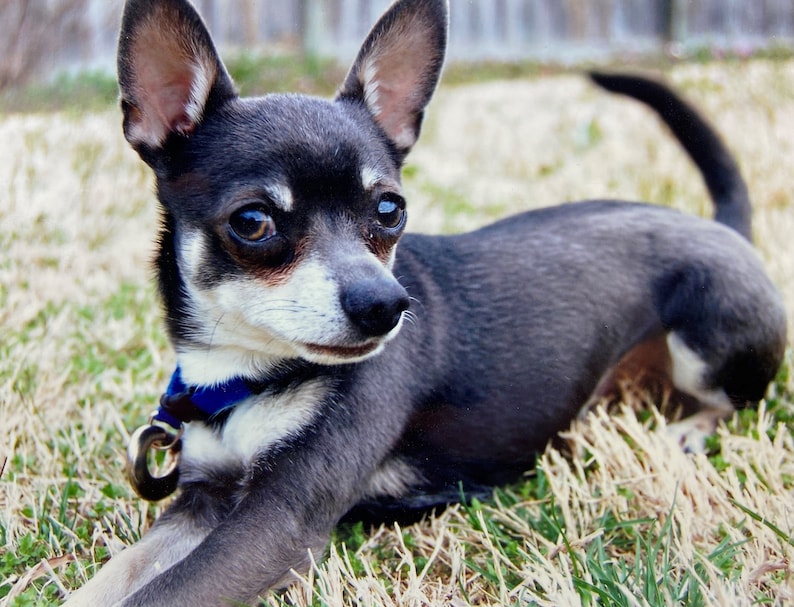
x: 144, y: 439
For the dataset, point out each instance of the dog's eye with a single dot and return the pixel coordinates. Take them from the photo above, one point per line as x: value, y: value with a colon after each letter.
x: 391, y: 210
x: 252, y: 224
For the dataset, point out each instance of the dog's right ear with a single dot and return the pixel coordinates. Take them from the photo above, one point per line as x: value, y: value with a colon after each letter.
x: 169, y: 72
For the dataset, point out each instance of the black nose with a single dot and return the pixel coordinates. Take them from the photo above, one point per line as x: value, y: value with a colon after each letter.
x: 374, y: 306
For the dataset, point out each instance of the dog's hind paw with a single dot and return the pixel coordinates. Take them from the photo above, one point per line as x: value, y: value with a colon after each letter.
x: 692, y: 432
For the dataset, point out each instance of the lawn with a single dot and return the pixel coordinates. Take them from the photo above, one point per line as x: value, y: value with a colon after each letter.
x: 616, y: 515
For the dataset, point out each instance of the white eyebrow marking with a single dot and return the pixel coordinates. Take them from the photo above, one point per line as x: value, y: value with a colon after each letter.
x: 281, y: 196
x: 370, y: 178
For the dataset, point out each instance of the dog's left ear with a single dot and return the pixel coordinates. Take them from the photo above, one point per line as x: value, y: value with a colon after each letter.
x: 398, y: 67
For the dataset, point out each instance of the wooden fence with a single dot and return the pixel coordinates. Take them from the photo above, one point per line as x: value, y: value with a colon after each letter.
x: 480, y: 29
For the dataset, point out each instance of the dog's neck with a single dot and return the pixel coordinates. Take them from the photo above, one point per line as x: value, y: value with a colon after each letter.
x: 212, y: 365
x: 210, y: 402
x: 210, y: 381
x: 184, y: 403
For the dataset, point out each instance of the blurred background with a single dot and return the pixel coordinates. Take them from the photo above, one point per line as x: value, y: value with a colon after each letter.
x: 41, y: 38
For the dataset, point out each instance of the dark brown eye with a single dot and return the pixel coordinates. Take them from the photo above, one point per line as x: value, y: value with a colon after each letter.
x: 391, y: 211
x: 252, y: 224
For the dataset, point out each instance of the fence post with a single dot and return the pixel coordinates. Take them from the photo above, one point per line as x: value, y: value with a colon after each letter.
x: 250, y: 23
x: 675, y: 20
x: 312, y: 27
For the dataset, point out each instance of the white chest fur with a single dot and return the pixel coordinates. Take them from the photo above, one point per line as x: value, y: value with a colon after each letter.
x: 255, y: 426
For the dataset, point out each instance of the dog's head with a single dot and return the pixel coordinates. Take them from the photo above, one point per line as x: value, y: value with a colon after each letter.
x: 281, y: 213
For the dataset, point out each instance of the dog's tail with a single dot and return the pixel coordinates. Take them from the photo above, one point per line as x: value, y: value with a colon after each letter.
x: 717, y: 165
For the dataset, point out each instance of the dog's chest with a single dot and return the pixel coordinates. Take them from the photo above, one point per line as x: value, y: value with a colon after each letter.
x: 255, y: 426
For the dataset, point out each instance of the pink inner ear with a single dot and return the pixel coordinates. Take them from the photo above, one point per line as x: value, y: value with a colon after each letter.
x: 395, y: 82
x: 171, y: 85
x: 396, y: 112
x: 167, y: 97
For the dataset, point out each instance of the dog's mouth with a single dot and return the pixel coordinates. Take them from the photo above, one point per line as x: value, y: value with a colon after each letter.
x: 345, y: 352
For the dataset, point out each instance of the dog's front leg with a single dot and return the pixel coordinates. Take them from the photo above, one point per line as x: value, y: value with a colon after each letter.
x: 292, y: 499
x: 168, y: 542
x: 254, y: 550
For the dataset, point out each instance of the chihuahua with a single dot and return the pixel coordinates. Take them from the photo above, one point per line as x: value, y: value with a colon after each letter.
x: 325, y: 372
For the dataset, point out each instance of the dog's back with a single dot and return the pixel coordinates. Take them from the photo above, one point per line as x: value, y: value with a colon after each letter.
x: 520, y: 353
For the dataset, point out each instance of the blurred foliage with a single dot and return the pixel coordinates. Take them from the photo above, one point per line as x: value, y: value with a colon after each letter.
x: 257, y: 74
x: 98, y: 90
x: 27, y: 35
x: 83, y: 91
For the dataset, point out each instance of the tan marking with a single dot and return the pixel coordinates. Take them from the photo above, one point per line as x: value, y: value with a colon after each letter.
x: 281, y: 196
x: 646, y: 366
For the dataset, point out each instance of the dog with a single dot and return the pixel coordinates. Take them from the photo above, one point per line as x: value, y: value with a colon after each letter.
x: 325, y: 371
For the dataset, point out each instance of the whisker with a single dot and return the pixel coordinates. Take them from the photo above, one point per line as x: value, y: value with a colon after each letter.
x: 410, y: 317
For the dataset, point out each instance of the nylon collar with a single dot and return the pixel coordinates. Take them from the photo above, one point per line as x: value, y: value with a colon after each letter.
x: 182, y: 403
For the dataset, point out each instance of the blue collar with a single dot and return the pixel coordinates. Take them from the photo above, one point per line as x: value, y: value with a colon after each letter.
x: 182, y: 403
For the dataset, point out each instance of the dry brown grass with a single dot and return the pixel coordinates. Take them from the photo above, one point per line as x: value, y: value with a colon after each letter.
x: 83, y: 359
x: 642, y: 475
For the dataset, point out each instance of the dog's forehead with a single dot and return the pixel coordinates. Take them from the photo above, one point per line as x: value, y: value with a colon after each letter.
x: 293, y: 135
x: 302, y: 146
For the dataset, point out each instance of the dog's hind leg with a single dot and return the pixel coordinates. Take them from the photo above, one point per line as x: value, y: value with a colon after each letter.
x: 166, y: 544
x: 688, y: 375
x: 726, y: 341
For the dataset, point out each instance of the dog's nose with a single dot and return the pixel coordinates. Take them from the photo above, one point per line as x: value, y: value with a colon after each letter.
x: 374, y: 306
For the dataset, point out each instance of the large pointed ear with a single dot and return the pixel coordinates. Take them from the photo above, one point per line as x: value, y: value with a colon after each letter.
x: 398, y: 67
x: 169, y: 71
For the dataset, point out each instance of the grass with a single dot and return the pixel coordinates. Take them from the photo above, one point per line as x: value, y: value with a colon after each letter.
x: 614, y: 515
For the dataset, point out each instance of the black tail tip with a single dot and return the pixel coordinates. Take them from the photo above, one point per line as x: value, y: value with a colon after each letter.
x: 627, y: 84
